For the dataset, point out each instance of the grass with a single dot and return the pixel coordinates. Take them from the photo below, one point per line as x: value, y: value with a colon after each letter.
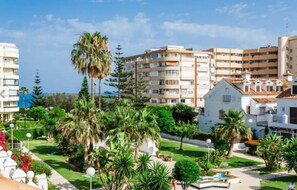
x: 278, y: 183
x: 192, y: 152
x: 49, y: 153
x: 264, y: 171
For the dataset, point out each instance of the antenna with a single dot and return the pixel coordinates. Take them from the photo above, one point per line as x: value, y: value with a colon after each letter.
x: 287, y: 28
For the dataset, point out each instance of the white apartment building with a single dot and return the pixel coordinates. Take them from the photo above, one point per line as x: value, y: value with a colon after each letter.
x: 256, y: 98
x: 174, y: 74
x: 287, y: 55
x: 284, y: 122
x: 9, y: 81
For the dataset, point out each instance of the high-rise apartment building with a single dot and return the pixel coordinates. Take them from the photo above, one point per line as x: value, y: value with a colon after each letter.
x: 261, y: 62
x: 174, y: 74
x: 9, y: 81
x: 287, y: 55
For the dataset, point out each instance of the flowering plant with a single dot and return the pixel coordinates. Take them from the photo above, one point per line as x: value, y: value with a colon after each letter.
x: 23, y: 161
x: 2, y: 141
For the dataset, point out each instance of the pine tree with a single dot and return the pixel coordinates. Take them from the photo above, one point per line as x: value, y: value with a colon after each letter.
x: 37, y: 94
x: 119, y: 77
x: 135, y: 92
x: 84, y: 92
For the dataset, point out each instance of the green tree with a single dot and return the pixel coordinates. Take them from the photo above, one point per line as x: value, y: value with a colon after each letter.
x: 289, y: 154
x: 135, y: 92
x: 164, y: 117
x: 61, y: 100
x: 136, y: 125
x: 84, y: 91
x: 82, y: 125
x: 155, y: 178
x: 37, y: 94
x: 38, y: 113
x: 91, y: 56
x: 143, y: 162
x: 270, y: 150
x: 233, y: 128
x: 187, y: 172
x: 183, y: 113
x: 119, y: 77
x: 185, y: 130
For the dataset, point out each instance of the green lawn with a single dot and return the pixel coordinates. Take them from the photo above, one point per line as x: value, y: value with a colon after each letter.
x: 193, y: 152
x: 48, y: 152
x: 278, y: 183
x: 264, y: 171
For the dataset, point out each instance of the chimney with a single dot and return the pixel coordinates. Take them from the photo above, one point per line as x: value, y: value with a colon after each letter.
x: 246, y: 75
x: 288, y: 76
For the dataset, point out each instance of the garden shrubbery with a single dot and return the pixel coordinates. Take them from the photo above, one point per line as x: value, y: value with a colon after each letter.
x: 40, y: 167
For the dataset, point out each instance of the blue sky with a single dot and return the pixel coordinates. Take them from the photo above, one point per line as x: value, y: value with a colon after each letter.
x: 45, y: 30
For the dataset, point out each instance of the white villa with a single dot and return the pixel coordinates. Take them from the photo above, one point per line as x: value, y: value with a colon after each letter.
x: 256, y: 98
x: 284, y: 122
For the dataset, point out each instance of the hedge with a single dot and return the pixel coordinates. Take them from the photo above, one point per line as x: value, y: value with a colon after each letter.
x: 20, y: 134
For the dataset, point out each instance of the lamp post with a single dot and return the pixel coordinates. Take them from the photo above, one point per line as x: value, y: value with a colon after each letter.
x: 11, y: 129
x: 90, y: 173
x: 28, y: 135
x: 208, y: 141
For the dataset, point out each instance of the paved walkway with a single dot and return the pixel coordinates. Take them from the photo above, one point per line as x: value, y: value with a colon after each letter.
x: 56, y: 179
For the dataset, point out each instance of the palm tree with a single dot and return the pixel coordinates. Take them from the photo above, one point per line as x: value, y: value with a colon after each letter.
x: 290, y: 154
x: 233, y: 129
x: 90, y: 55
x: 143, y: 163
x: 82, y: 126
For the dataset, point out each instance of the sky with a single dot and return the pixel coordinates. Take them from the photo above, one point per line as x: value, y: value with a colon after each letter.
x: 45, y: 30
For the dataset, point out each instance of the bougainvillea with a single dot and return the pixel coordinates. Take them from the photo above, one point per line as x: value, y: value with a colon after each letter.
x: 2, y: 141
x: 23, y: 161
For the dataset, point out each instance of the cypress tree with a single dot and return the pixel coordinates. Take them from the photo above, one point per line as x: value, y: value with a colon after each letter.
x: 37, y: 94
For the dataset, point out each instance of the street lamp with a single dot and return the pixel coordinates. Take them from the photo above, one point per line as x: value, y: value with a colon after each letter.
x: 28, y: 135
x: 11, y: 129
x: 208, y: 141
x: 90, y: 173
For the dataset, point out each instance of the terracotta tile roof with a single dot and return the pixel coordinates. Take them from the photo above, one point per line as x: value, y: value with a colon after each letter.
x: 264, y: 100
x: 235, y: 82
x: 287, y: 94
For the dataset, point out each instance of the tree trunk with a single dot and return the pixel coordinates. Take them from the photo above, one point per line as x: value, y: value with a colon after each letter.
x: 181, y: 143
x: 86, y: 161
x: 99, y: 95
x: 231, y: 146
x: 92, y: 89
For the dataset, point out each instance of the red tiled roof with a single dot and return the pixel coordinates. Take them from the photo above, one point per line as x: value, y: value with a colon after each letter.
x: 236, y: 81
x: 265, y: 100
x: 287, y: 94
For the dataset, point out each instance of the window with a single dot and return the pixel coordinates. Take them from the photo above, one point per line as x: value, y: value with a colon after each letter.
x: 246, y: 88
x: 226, y: 98
x: 294, y: 89
x: 221, y: 114
x: 154, y: 101
x: 262, y: 110
x: 293, y: 115
x: 155, y: 91
x: 183, y: 101
x: 248, y: 110
x: 279, y: 88
x: 173, y: 100
x: 258, y: 88
x: 268, y: 88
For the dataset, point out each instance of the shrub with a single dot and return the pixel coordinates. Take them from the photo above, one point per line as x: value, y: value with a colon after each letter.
x: 187, y: 172
x: 77, y: 159
x: 23, y: 161
x: 40, y: 167
x: 20, y: 134
x: 252, y: 145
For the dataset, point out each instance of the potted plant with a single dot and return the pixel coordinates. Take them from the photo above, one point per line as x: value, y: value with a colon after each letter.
x: 158, y: 154
x: 169, y: 157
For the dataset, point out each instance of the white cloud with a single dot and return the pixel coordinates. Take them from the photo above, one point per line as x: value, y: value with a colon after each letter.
x: 13, y: 34
x: 248, y: 36
x: 276, y: 8
x: 236, y: 10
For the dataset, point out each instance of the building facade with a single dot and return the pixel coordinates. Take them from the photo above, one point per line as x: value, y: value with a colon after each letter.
x: 256, y: 98
x: 174, y: 74
x: 287, y: 55
x: 284, y: 122
x: 9, y: 81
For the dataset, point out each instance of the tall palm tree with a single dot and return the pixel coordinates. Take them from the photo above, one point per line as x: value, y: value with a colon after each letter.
x: 90, y: 56
x: 233, y: 129
x: 136, y: 126
x: 82, y: 126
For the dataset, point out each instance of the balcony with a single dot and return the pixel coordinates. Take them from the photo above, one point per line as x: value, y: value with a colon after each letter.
x: 9, y: 109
